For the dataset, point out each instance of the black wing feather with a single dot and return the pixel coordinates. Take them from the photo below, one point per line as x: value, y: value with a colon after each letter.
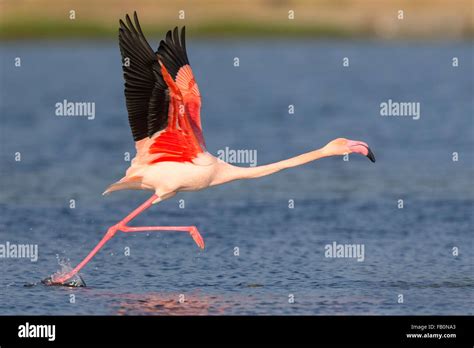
x: 172, y: 51
x: 146, y: 93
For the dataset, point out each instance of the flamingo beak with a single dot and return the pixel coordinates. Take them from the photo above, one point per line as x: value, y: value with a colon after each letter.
x: 361, y: 148
x: 371, y: 155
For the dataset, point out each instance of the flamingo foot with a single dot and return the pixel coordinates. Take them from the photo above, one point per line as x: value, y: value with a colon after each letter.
x: 72, y: 281
x: 197, y: 236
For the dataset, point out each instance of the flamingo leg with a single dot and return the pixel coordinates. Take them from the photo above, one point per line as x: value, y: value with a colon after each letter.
x: 192, y: 230
x: 122, y: 226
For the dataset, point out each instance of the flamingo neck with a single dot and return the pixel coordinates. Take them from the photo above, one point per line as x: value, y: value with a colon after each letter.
x: 230, y: 173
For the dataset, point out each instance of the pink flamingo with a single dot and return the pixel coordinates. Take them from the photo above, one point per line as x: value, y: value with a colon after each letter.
x: 163, y: 103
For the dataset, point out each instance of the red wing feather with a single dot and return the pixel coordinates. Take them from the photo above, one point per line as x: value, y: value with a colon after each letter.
x: 182, y: 139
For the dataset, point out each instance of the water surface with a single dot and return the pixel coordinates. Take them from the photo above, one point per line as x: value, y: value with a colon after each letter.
x: 281, y: 251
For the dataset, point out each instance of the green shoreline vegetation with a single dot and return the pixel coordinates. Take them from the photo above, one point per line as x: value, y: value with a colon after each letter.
x: 420, y: 19
x: 65, y: 29
x: 54, y: 29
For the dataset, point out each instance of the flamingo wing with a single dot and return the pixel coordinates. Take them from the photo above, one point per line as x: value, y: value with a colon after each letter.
x: 162, y: 96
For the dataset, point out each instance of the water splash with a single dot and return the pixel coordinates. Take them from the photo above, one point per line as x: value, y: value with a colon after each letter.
x: 65, y: 267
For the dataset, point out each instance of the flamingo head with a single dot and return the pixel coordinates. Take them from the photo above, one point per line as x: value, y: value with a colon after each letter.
x: 342, y: 146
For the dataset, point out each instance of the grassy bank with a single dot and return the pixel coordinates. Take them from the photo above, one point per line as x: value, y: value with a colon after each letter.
x: 54, y: 29
x: 327, y: 18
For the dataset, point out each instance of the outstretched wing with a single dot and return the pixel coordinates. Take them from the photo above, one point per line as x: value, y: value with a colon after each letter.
x: 145, y: 91
x: 162, y: 97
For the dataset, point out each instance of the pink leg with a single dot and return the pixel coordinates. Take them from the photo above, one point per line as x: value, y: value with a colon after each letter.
x: 192, y: 230
x: 122, y: 226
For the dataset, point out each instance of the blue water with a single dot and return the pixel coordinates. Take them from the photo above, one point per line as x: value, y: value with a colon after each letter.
x: 408, y: 251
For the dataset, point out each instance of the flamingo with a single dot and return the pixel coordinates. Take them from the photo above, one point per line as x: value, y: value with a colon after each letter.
x: 163, y: 103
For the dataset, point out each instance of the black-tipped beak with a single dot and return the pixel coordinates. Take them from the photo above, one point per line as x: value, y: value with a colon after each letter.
x: 370, y: 155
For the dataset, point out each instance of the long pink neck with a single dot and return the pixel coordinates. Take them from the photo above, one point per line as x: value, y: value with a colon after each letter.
x: 230, y: 173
